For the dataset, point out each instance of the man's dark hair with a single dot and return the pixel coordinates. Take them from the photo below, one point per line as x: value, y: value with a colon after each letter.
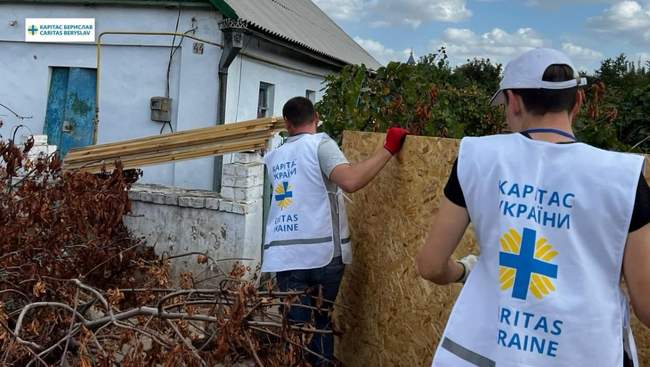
x: 542, y: 101
x: 298, y: 111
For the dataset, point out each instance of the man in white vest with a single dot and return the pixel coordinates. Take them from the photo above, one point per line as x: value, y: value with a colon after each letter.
x: 307, y: 237
x: 558, y: 223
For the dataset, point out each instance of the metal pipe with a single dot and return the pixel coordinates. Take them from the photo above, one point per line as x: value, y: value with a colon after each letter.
x: 234, y: 37
x: 99, y: 44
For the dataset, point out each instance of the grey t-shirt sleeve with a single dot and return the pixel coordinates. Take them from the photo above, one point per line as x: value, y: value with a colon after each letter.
x: 330, y: 156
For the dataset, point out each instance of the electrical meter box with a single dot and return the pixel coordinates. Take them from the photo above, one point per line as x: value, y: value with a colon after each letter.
x: 161, y: 109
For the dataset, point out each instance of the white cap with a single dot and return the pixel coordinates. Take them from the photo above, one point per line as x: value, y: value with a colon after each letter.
x: 527, y: 72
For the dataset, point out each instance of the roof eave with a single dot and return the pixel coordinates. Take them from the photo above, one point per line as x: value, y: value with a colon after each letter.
x: 319, y: 54
x: 224, y: 8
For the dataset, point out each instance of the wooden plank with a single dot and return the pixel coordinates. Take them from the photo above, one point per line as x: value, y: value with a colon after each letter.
x: 216, y: 140
x: 187, y: 133
x: 172, y: 156
x: 180, y: 138
x: 145, y: 147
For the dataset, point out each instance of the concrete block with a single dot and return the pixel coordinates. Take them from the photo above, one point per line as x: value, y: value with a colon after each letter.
x: 212, y: 203
x: 225, y: 206
x: 134, y: 195
x: 227, y: 158
x: 228, y: 193
x: 248, y: 194
x: 228, y: 181
x: 230, y: 170
x: 38, y: 139
x: 171, y: 199
x: 247, y: 157
x: 247, y: 170
x: 242, y: 182
x: 146, y: 197
x: 158, y: 198
x: 191, y: 202
x: 239, y: 208
x: 249, y: 181
x: 255, y: 206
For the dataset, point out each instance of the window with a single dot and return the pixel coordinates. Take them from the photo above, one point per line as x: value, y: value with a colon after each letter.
x: 311, y: 95
x: 265, y: 100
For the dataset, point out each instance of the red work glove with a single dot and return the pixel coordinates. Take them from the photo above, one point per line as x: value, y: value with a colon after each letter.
x: 395, y: 139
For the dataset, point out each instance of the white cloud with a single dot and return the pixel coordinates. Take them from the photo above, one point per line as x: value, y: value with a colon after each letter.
x: 576, y: 51
x: 555, y: 4
x: 585, y: 59
x: 383, y: 54
x: 625, y: 19
x: 497, y: 45
x: 341, y: 9
x: 392, y: 12
x: 643, y: 56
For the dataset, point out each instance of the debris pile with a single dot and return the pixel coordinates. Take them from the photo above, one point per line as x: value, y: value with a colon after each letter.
x: 76, y: 289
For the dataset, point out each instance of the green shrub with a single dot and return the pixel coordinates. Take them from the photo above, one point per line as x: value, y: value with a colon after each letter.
x: 432, y: 98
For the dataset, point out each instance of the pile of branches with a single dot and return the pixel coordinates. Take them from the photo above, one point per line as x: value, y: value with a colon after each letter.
x: 77, y: 289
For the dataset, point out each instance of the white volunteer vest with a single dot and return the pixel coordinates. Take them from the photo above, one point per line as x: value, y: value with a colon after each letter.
x: 552, y: 221
x: 299, y: 232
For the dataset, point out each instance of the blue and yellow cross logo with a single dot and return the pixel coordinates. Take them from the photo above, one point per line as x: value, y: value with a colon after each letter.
x: 524, y: 264
x: 32, y: 30
x: 283, y: 195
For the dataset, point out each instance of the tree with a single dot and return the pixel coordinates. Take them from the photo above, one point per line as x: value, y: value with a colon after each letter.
x: 432, y: 98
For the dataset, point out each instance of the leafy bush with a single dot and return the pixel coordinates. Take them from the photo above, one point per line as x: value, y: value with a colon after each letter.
x: 432, y: 98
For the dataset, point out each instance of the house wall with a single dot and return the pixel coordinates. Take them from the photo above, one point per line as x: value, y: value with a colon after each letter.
x: 133, y: 69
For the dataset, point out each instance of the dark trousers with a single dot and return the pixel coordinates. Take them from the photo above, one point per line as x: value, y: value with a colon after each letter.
x: 329, y: 277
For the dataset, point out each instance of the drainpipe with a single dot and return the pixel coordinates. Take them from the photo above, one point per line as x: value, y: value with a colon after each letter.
x: 234, y: 32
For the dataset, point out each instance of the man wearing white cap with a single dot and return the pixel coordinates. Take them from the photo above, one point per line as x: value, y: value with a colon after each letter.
x: 557, y: 221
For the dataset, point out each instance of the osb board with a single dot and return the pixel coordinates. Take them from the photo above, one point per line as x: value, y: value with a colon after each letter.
x: 390, y: 316
x: 642, y: 334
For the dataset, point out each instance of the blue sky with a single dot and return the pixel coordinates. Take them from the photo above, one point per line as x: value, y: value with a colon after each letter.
x: 587, y: 30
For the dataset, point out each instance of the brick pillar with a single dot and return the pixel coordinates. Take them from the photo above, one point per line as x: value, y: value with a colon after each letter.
x: 243, y: 178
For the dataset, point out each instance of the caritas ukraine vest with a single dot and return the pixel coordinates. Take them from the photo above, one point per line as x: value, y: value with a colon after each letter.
x: 552, y: 222
x: 299, y: 232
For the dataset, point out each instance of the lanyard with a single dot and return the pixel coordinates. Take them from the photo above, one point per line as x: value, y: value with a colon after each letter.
x: 552, y: 131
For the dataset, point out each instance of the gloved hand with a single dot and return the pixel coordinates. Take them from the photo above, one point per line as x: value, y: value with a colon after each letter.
x: 468, y: 263
x: 395, y: 139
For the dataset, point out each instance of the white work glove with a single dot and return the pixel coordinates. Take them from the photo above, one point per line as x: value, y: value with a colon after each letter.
x: 468, y: 263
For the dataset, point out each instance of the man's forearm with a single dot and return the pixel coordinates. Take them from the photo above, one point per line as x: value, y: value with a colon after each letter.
x: 366, y: 170
x: 352, y: 178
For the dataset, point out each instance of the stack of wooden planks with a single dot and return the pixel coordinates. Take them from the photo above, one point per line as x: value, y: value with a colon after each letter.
x: 136, y: 153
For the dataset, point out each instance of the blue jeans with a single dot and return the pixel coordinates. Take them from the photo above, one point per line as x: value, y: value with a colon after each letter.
x: 329, y: 277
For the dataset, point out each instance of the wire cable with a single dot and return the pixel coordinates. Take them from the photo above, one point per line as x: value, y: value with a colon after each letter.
x: 171, y: 50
